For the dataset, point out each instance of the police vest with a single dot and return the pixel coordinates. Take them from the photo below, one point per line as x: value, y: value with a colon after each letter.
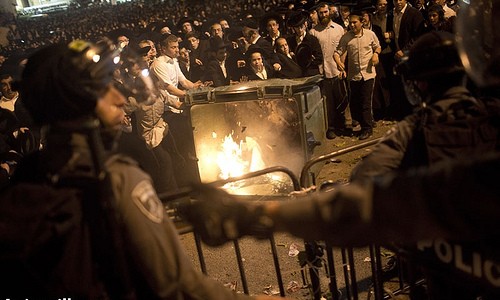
x: 457, y: 129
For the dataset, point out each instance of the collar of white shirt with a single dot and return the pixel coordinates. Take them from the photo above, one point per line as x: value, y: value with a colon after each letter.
x: 262, y: 74
x: 169, y: 59
x: 402, y: 11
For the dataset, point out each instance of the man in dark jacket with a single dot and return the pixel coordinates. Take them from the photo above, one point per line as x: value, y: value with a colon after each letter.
x: 217, y: 72
x: 305, y: 46
x: 408, y: 25
x: 289, y: 66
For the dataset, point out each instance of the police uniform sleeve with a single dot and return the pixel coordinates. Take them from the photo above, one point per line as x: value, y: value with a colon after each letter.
x: 450, y: 200
x: 388, y: 154
x: 160, y: 267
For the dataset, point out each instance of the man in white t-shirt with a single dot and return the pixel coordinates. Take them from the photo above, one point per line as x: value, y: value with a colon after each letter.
x: 167, y: 70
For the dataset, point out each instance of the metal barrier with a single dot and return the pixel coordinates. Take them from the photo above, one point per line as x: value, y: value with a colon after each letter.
x: 185, y: 228
x: 308, y: 178
x: 405, y: 284
x: 313, y: 249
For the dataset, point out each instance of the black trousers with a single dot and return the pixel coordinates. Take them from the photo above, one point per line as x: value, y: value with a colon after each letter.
x: 337, y: 100
x: 361, y: 96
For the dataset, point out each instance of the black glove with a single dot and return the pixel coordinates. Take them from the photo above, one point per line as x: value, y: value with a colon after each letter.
x: 219, y: 217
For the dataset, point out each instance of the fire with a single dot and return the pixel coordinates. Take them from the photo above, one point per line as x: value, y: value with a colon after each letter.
x: 237, y: 159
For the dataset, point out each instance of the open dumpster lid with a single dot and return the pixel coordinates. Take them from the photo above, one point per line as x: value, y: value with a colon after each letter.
x: 270, y: 88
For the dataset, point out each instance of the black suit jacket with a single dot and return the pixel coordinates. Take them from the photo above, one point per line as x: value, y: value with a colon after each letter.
x: 317, y: 54
x: 380, y: 35
x: 265, y: 45
x: 215, y: 74
x: 412, y: 26
x: 189, y: 74
x: 250, y: 74
x: 289, y: 67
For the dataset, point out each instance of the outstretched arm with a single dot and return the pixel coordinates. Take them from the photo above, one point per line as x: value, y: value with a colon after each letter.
x: 450, y: 200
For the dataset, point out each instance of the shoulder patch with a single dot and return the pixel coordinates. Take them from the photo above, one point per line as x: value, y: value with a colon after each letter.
x: 144, y: 196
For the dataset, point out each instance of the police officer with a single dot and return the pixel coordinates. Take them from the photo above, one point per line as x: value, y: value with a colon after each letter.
x: 68, y: 88
x: 456, y: 200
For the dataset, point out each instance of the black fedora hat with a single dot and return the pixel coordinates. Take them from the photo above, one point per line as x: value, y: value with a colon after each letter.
x: 297, y: 18
x: 184, y: 20
x: 256, y: 49
x: 361, y: 8
x: 251, y: 23
x: 216, y: 43
x: 271, y: 15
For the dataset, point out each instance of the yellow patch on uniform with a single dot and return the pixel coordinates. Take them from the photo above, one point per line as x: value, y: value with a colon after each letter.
x: 144, y: 196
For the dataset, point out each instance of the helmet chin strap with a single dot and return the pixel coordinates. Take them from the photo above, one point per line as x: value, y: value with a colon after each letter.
x: 110, y: 137
x: 91, y: 126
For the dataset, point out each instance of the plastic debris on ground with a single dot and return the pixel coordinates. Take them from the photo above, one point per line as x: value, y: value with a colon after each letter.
x: 233, y: 285
x: 293, y: 250
x: 269, y: 290
x: 293, y: 286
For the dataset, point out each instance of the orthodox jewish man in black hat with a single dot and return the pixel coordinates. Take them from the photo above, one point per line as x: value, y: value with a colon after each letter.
x: 305, y: 46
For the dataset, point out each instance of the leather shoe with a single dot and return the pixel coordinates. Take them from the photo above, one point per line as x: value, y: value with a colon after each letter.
x: 365, y: 134
x: 343, y: 132
x: 330, y: 134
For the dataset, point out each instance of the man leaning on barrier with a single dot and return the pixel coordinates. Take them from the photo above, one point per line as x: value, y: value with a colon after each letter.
x: 79, y: 221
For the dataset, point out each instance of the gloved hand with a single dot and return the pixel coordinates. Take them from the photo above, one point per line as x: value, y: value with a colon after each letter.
x: 219, y: 217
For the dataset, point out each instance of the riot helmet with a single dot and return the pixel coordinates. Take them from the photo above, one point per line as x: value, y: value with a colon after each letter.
x: 478, y: 41
x: 432, y: 58
x: 133, y: 78
x: 64, y: 82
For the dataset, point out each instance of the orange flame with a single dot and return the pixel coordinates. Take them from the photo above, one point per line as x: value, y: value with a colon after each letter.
x: 238, y: 159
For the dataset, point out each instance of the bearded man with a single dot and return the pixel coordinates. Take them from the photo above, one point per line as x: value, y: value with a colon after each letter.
x: 329, y: 33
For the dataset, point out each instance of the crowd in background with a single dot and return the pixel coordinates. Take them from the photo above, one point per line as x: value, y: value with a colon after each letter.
x: 225, y: 42
x: 92, y: 23
x: 100, y: 20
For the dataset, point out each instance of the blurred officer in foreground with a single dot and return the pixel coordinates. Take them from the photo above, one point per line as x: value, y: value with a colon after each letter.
x: 451, y: 209
x: 448, y: 121
x: 77, y: 221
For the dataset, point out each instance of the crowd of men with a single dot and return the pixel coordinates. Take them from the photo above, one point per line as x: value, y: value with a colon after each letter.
x: 224, y: 43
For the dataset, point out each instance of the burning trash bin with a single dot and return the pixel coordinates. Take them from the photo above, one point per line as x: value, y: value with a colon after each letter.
x: 250, y: 126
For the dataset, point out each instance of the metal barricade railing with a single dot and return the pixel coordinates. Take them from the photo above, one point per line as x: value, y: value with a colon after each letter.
x: 312, y: 248
x: 185, y: 192
x: 405, y: 285
x: 307, y: 179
